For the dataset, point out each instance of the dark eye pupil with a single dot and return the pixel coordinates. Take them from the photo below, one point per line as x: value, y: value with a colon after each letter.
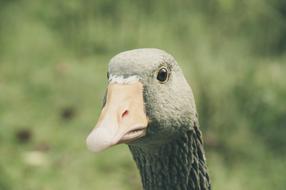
x: 162, y: 75
x: 107, y: 75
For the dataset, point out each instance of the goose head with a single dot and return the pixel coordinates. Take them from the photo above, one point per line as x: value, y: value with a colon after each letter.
x: 147, y: 101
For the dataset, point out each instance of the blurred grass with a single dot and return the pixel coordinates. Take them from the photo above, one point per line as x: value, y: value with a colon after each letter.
x: 53, y: 62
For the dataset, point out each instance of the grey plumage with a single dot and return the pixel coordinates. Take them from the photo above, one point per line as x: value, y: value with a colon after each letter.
x: 170, y: 155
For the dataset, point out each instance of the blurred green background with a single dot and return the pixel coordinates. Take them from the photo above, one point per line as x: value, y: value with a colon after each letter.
x: 53, y: 62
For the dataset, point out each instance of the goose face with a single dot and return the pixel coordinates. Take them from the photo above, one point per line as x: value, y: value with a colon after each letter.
x: 148, y: 101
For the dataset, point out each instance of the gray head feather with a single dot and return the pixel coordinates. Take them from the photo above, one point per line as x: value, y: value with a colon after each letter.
x: 170, y: 105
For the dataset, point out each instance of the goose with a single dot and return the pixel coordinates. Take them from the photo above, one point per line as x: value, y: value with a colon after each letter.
x: 149, y: 106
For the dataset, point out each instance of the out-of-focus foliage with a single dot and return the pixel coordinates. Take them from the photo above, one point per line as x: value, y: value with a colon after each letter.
x: 53, y: 61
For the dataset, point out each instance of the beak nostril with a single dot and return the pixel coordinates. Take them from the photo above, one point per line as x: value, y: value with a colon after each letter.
x: 125, y: 113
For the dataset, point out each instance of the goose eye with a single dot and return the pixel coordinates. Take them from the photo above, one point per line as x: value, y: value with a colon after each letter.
x: 107, y: 75
x: 162, y: 75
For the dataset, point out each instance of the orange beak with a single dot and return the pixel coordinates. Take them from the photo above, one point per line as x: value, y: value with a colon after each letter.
x: 122, y: 119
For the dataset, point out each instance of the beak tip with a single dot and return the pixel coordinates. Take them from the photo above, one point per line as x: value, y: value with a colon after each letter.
x: 91, y: 144
x: 96, y: 143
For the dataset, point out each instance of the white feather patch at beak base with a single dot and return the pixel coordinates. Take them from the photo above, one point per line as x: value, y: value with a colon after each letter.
x: 118, y: 79
x: 122, y: 119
